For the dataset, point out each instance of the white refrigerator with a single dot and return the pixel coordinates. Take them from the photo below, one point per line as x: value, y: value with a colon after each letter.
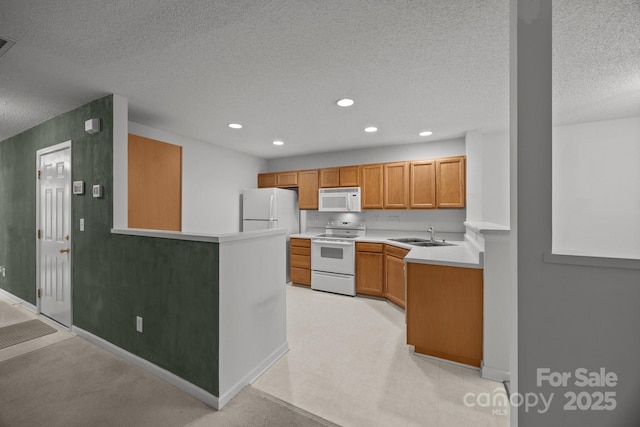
x: 266, y: 208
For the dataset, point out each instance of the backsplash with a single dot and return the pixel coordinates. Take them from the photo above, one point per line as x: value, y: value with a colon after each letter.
x: 442, y: 220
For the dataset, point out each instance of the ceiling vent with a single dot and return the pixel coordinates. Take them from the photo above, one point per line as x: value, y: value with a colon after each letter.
x: 5, y: 44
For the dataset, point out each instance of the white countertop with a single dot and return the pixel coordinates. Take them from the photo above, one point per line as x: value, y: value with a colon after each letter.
x: 462, y: 254
x: 198, y: 237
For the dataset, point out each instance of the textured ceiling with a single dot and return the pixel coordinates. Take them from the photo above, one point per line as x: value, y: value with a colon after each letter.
x: 277, y: 67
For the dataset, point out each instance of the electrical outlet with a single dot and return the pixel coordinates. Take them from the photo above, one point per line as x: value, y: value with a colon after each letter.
x: 3, y: 270
x: 138, y: 323
x: 81, y: 224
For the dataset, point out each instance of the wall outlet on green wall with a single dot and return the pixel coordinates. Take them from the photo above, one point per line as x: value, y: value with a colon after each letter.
x: 3, y: 270
x: 138, y: 323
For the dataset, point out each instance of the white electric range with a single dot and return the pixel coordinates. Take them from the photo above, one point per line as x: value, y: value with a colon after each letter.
x: 333, y: 257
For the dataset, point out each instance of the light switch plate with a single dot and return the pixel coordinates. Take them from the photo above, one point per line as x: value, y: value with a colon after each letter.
x: 81, y: 224
x: 97, y: 190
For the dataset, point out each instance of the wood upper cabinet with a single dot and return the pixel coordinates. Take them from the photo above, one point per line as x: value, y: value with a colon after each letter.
x: 369, y: 269
x: 394, y: 274
x: 450, y: 181
x: 346, y: 176
x: 266, y: 180
x: 329, y: 178
x: 396, y: 185
x: 349, y: 176
x: 422, y: 184
x: 371, y: 182
x: 445, y: 312
x: 287, y: 179
x: 300, y: 254
x: 308, y: 190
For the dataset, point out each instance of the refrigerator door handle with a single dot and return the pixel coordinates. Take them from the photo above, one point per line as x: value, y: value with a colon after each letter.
x: 271, y: 212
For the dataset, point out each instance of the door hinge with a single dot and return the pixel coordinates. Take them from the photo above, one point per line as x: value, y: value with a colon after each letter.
x: 39, y: 174
x: 39, y: 293
x: 39, y: 234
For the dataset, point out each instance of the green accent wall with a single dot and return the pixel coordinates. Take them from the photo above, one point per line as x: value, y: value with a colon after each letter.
x: 172, y: 284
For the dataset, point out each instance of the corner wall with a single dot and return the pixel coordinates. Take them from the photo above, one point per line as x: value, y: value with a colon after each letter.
x: 569, y: 316
x: 172, y: 285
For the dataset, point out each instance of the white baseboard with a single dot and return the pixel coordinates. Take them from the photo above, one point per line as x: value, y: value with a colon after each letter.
x: 18, y: 301
x: 494, y: 374
x: 254, y: 374
x: 163, y: 374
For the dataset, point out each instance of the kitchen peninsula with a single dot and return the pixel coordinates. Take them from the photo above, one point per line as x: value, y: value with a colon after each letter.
x: 211, y: 325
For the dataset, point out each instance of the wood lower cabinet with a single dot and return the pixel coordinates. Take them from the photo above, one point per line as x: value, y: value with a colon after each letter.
x: 308, y: 190
x: 394, y: 274
x: 369, y: 269
x: 300, y: 262
x: 445, y: 312
x: 450, y: 181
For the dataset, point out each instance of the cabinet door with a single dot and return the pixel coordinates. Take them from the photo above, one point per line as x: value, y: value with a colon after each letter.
x: 372, y: 186
x: 394, y: 274
x: 422, y: 184
x: 266, y: 180
x: 349, y: 176
x: 369, y: 269
x: 450, y: 180
x: 308, y: 190
x: 329, y: 178
x: 396, y: 185
x: 444, y: 312
x: 287, y: 179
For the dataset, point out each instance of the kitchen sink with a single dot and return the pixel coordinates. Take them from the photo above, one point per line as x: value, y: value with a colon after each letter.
x: 432, y: 244
x: 416, y: 241
x: 410, y: 240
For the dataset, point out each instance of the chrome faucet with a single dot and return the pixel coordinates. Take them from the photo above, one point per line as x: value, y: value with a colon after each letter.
x: 432, y: 233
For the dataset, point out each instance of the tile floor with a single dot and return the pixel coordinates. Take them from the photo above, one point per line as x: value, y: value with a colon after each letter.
x: 348, y: 362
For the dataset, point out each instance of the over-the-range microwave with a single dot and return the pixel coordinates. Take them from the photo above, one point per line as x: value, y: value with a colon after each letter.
x: 339, y: 199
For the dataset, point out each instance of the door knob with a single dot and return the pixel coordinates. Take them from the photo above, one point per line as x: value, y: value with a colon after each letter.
x: 65, y: 250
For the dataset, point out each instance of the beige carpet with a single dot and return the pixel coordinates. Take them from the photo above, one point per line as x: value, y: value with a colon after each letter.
x: 22, y: 332
x: 75, y: 383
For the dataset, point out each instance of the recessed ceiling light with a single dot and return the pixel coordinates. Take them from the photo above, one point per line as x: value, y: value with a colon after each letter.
x: 278, y: 143
x: 345, y: 102
x: 235, y: 125
x: 425, y: 133
x: 371, y: 129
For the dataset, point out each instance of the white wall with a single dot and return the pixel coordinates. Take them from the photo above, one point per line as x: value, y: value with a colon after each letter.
x: 596, y: 189
x: 212, y: 181
x: 120, y: 161
x: 495, y: 178
x: 569, y: 316
x: 474, y: 150
x: 488, y: 177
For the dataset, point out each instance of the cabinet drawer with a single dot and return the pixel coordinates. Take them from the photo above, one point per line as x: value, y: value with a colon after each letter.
x: 396, y: 251
x: 305, y: 243
x: 303, y: 261
x: 300, y: 250
x: 301, y: 276
x: 369, y: 247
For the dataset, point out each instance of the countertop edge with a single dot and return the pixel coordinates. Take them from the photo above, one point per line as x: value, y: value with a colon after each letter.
x: 197, y: 237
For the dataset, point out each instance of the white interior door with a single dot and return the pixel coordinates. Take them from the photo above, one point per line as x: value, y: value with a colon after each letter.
x: 54, y: 237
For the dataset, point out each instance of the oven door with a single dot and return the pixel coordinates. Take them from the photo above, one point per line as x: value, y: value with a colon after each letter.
x: 333, y: 256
